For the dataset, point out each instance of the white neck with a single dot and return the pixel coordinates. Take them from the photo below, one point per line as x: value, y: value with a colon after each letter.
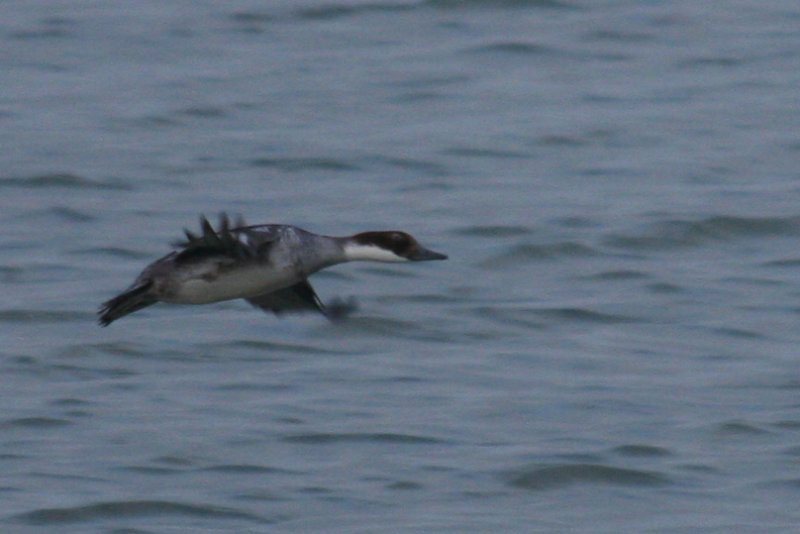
x: 359, y: 252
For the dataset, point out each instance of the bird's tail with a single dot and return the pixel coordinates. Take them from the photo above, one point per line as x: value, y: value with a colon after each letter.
x: 134, y: 299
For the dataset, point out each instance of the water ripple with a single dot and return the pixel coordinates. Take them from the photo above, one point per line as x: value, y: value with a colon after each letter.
x: 332, y: 11
x: 64, y: 180
x: 740, y: 333
x: 524, y: 317
x: 34, y: 422
x: 785, y: 262
x: 616, y: 35
x: 524, y: 253
x: 500, y: 4
x: 288, y: 164
x: 682, y: 233
x: 70, y: 214
x: 254, y: 21
x: 204, y: 112
x: 48, y: 28
x: 493, y: 231
x: 738, y: 429
x: 318, y: 438
x: 269, y: 347
x: 43, y: 316
x: 11, y: 273
x: 484, y: 152
x: 122, y: 509
x: 514, y: 47
x: 641, y: 451
x: 713, y: 61
x: 150, y: 470
x: 585, y: 315
x: 618, y: 274
x: 559, y: 476
x: 418, y: 166
x: 116, y: 252
x: 248, y: 469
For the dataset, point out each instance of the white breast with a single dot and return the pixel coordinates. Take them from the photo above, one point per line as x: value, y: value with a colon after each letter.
x: 231, y: 284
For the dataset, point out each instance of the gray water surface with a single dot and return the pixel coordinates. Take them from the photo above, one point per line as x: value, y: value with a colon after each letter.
x: 611, y: 347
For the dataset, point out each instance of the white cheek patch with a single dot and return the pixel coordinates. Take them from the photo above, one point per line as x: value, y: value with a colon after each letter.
x: 357, y: 252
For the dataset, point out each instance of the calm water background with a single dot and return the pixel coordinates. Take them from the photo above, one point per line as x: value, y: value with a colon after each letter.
x: 612, y: 346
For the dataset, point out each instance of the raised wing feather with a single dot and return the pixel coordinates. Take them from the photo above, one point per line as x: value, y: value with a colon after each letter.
x: 224, y: 241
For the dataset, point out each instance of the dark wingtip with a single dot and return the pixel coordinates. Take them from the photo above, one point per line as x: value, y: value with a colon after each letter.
x: 132, y: 300
x: 104, y: 317
x: 102, y: 320
x: 339, y: 308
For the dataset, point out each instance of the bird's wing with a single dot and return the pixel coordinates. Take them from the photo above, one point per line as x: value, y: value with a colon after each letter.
x: 300, y: 297
x: 224, y: 241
